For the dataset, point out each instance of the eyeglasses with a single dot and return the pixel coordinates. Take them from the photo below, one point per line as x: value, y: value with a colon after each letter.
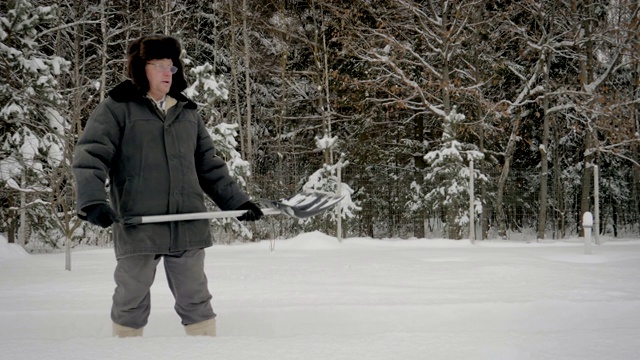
x: 163, y: 68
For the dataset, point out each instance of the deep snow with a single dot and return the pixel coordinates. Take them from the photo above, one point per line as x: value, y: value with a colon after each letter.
x: 315, y: 298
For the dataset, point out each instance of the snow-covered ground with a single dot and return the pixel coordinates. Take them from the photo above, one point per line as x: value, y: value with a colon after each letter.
x: 315, y: 298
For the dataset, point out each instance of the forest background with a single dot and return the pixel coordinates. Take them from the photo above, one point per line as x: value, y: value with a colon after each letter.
x: 396, y: 96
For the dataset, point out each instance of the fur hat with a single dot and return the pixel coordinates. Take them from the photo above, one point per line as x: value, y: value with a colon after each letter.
x: 153, y: 47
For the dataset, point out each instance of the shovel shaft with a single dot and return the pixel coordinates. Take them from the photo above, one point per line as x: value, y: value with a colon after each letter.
x: 300, y: 206
x: 192, y: 216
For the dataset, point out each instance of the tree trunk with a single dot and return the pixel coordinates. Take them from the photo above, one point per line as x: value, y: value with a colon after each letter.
x: 508, y: 155
x: 635, y: 114
x: 587, y: 175
x: 454, y: 230
x: 479, y: 115
x: 544, y: 159
x: 614, y: 218
x: 22, y: 230
x: 13, y: 220
x: 586, y: 76
x: 420, y: 165
x: 327, y: 102
x: 560, y: 211
x: 636, y: 174
x: 166, y: 17
x: 279, y: 119
x: 452, y: 209
x: 636, y: 169
x: 234, y: 77
x: 484, y: 215
x: 103, y: 58
x: 247, y: 82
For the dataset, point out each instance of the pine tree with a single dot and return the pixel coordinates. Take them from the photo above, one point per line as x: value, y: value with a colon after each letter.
x: 31, y: 128
x: 447, y: 179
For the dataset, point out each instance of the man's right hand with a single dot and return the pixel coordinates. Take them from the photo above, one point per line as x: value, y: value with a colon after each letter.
x: 101, y: 215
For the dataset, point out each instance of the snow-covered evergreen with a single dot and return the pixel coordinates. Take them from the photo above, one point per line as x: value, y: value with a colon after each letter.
x: 447, y: 179
x: 31, y: 127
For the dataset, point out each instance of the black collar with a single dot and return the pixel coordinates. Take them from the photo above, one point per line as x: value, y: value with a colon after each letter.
x: 126, y: 91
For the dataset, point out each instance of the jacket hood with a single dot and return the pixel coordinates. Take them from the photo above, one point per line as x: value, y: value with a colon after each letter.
x: 126, y: 91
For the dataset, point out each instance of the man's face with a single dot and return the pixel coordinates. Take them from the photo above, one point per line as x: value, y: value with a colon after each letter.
x: 160, y: 74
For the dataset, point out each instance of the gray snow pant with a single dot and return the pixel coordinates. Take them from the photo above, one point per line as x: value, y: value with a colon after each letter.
x: 134, y: 276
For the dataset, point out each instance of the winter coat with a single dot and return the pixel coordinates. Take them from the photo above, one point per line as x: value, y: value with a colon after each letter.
x: 156, y: 164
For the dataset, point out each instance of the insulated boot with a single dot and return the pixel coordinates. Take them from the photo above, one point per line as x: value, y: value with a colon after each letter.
x: 203, y: 328
x: 125, y: 331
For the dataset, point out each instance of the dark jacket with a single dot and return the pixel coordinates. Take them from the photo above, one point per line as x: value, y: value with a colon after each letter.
x: 156, y: 164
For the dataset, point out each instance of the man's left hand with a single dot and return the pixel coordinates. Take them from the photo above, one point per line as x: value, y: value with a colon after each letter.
x: 253, y: 212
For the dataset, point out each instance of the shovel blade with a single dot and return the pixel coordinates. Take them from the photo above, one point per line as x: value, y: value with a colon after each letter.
x: 305, y: 204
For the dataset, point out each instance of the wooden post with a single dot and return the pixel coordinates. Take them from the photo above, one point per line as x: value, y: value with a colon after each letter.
x: 596, y: 205
x: 22, y: 230
x: 67, y: 253
x: 472, y: 225
x: 339, y: 207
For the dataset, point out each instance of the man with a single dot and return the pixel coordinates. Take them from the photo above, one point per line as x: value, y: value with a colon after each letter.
x: 148, y: 139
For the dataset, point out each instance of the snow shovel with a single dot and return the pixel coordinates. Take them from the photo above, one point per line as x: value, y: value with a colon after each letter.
x: 300, y: 206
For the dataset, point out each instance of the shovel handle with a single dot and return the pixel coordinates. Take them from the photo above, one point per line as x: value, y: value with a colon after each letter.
x: 137, y: 220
